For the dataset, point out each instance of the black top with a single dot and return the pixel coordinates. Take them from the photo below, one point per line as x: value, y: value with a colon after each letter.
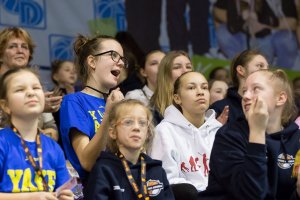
x: 233, y: 100
x: 108, y: 180
x: 243, y: 170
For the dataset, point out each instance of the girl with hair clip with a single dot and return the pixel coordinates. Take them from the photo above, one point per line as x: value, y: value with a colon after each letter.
x: 125, y: 171
x: 185, y: 136
x: 149, y: 72
x: 98, y: 62
x: 32, y: 166
x: 170, y: 68
x: 64, y: 76
x: 242, y: 65
x: 253, y: 158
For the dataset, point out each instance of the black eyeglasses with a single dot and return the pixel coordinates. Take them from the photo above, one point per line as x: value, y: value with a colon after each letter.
x: 115, y: 56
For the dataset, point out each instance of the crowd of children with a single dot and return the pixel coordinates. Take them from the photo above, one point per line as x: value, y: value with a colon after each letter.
x: 180, y: 136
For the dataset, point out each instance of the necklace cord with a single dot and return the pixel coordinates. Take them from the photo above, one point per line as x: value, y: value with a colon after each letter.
x: 105, y: 95
x: 37, y: 168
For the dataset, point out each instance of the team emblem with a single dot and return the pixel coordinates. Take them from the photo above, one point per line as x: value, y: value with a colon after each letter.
x: 285, y: 162
x: 154, y: 187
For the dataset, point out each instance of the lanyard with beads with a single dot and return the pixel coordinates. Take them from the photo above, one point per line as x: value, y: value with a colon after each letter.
x: 37, y: 168
x: 140, y: 194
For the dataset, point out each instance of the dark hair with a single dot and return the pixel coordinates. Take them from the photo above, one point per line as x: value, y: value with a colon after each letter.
x: 147, y: 56
x: 211, y: 83
x: 83, y: 47
x: 241, y: 59
x: 297, y: 100
x: 295, y: 80
x: 55, y: 67
x: 129, y: 43
x: 212, y: 74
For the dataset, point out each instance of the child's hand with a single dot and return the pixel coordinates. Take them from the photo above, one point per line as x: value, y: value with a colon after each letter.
x: 224, y: 115
x: 258, y: 116
x: 66, y: 195
x: 52, y: 103
x: 51, y: 132
x: 114, y: 97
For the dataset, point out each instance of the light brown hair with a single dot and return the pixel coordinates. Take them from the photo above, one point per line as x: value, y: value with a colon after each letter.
x: 163, y: 95
x: 281, y: 83
x: 15, y: 32
x: 115, y: 114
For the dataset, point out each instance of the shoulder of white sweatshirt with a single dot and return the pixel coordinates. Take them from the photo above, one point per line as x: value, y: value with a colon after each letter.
x: 182, y: 147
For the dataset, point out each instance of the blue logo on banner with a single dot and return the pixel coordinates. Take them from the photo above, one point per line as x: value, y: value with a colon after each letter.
x: 25, y: 13
x: 111, y: 9
x: 61, y: 47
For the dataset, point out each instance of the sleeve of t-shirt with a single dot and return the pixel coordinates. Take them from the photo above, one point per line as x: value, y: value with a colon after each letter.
x: 72, y: 115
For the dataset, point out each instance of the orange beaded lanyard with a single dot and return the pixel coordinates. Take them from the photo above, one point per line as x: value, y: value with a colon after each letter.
x: 37, y: 168
x: 140, y: 194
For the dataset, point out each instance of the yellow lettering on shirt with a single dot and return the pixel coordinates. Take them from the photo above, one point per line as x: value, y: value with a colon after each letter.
x: 96, y: 118
x: 15, y: 176
x: 25, y: 177
x: 27, y: 185
x: 97, y: 125
x: 51, y: 179
x: 100, y: 113
x: 92, y: 113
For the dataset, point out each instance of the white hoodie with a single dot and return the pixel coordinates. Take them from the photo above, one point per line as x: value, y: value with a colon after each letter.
x: 183, y: 148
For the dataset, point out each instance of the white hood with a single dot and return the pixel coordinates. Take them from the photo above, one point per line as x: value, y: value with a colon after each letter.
x: 174, y: 116
x: 184, y: 148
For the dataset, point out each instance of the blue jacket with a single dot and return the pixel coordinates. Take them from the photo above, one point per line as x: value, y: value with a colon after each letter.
x: 234, y: 101
x: 108, y: 180
x: 243, y: 170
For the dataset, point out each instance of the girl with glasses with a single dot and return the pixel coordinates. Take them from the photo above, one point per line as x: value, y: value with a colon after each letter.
x: 82, y: 125
x: 125, y: 171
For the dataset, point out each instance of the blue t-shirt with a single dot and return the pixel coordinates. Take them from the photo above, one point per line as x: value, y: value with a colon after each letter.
x: 16, y: 172
x: 83, y: 112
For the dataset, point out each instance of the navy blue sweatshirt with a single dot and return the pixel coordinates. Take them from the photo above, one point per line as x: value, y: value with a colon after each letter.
x: 243, y: 170
x: 234, y: 101
x: 108, y: 180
